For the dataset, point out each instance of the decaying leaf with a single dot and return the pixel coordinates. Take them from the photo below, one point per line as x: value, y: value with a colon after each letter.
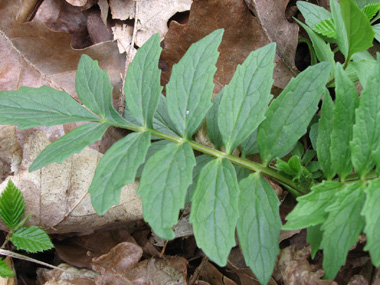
x: 10, y: 151
x: 242, y: 35
x: 57, y: 194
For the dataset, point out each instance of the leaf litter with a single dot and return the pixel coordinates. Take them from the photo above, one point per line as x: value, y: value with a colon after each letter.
x: 45, y: 52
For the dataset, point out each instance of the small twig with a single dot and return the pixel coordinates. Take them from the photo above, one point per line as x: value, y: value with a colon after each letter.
x: 197, y: 271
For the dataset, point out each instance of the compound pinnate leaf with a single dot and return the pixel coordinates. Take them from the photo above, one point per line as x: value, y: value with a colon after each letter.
x: 324, y: 136
x: 44, y: 106
x: 372, y: 217
x: 214, y: 210
x: 314, y: 238
x: 310, y: 209
x: 189, y: 90
x: 346, y: 102
x: 249, y: 90
x: 31, y: 239
x: 163, y: 186
x: 281, y: 130
x: 142, y: 83
x: 312, y: 13
x: 259, y: 225
x: 116, y: 168
x: 342, y: 227
x: 73, y: 142
x: 12, y: 205
x: 5, y: 271
x: 366, y: 132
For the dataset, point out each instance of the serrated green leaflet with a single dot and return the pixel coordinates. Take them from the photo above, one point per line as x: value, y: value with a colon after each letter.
x: 324, y: 136
x: 74, y: 142
x: 341, y: 33
x: 346, y: 102
x: 212, y: 121
x: 249, y: 146
x: 214, y: 211
x: 372, y: 216
x: 366, y: 133
x: 259, y: 225
x: 362, y: 3
x: 116, y: 168
x: 310, y: 209
x: 161, y: 119
x: 312, y: 13
x: 44, y: 106
x: 326, y: 28
x: 342, y: 227
x: 163, y: 185
x: 245, y: 99
x: 142, y: 83
x: 31, y: 239
x: 314, y: 238
x: 12, y: 205
x: 359, y: 31
x: 188, y: 93
x: 5, y: 271
x: 281, y: 130
x: 371, y: 10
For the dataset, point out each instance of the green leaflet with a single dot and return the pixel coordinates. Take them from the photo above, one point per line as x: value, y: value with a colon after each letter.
x: 116, y: 168
x: 362, y: 3
x: 312, y: 13
x: 371, y: 10
x: 322, y: 49
x: 163, y: 185
x: 214, y: 210
x: 314, y: 238
x: 142, y: 84
x: 153, y: 148
x: 245, y: 99
x: 341, y: 33
x: 326, y: 28
x: 73, y: 142
x: 241, y: 172
x: 94, y: 88
x: 5, y: 271
x: 31, y: 239
x: 342, y: 227
x: 281, y: 130
x: 161, y: 119
x: 366, y: 133
x: 346, y: 102
x: 249, y: 146
x: 259, y: 225
x: 188, y: 93
x: 372, y: 216
x: 42, y: 106
x: 324, y: 136
x: 12, y: 205
x: 212, y: 121
x: 376, y: 29
x: 310, y: 209
x: 363, y: 70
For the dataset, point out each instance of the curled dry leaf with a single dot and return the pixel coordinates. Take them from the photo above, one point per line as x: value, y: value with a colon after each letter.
x: 243, y: 34
x: 84, y: 4
x: 57, y: 194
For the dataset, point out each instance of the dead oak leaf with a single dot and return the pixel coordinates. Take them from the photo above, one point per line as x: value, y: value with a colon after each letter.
x: 243, y: 34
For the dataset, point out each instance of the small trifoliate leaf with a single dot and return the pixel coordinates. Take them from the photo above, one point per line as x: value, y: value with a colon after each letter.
x: 73, y: 142
x: 188, y: 93
x: 311, y: 208
x: 314, y: 238
x: 346, y: 102
x: 214, y: 210
x: 372, y: 216
x: 142, y: 83
x: 259, y: 225
x: 342, y: 227
x: 5, y: 271
x: 312, y: 13
x: 366, y: 132
x: 212, y: 121
x: 44, y: 106
x: 324, y: 136
x: 281, y: 130
x: 163, y: 186
x: 31, y: 239
x: 326, y: 28
x: 116, y: 168
x: 249, y: 90
x: 12, y: 205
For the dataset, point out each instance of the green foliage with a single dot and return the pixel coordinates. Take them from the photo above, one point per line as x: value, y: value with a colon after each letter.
x: 334, y: 203
x: 31, y: 238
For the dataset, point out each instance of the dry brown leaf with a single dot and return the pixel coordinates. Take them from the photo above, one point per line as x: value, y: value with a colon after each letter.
x: 57, y: 194
x: 10, y: 151
x: 243, y: 34
x: 84, y: 4
x: 59, y: 277
x: 152, y: 16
